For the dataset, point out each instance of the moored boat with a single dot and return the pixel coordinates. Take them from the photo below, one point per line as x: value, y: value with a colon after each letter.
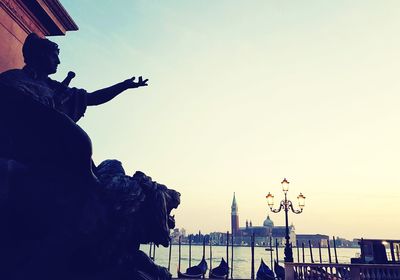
x: 221, y: 271
x: 279, y: 271
x: 195, y: 272
x: 264, y: 272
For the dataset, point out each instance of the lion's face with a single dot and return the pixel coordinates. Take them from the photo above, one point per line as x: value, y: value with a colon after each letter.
x: 172, y: 200
x: 154, y: 218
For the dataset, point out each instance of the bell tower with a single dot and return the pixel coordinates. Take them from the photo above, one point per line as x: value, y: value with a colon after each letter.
x: 234, y: 216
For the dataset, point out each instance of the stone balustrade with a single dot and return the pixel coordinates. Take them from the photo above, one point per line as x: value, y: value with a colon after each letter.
x: 320, y: 271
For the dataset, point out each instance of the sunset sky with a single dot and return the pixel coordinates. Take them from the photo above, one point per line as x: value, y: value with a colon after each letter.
x: 244, y: 93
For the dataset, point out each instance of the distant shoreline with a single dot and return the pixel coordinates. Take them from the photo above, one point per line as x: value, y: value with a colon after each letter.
x: 248, y: 246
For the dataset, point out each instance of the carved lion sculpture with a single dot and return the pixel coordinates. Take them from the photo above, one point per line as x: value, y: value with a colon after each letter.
x: 56, y: 221
x: 78, y: 236
x: 143, y: 208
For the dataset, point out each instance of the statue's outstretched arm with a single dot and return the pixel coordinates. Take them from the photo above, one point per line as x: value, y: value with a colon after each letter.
x: 106, y: 94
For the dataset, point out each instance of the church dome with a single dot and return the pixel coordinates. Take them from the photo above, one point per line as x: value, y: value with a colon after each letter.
x: 268, y: 222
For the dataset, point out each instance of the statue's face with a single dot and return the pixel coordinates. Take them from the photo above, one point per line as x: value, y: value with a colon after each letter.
x: 50, y: 62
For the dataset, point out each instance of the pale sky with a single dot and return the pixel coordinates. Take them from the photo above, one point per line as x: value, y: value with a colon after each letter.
x: 244, y: 93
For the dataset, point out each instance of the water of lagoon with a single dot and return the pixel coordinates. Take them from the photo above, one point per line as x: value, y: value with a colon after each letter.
x: 242, y: 257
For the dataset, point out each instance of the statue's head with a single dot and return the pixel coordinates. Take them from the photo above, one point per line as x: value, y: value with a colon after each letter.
x: 41, y: 54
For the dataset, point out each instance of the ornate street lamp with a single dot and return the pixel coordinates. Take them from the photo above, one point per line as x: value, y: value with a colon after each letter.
x: 286, y: 205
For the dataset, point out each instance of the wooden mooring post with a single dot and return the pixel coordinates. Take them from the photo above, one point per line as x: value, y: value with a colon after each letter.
x: 190, y: 251
x: 252, y: 256
x: 329, y: 251
x: 227, y: 249
x: 210, y: 243
x: 311, y: 254
x: 169, y: 255
x: 179, y: 253
x: 334, y: 249
x: 270, y: 249
x: 319, y: 251
x: 329, y: 255
x: 232, y: 256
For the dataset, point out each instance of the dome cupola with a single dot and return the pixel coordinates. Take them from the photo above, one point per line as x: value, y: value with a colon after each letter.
x: 268, y: 222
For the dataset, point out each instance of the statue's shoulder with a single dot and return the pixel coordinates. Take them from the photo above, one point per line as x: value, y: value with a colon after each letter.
x: 12, y: 73
x: 53, y: 83
x: 12, y: 76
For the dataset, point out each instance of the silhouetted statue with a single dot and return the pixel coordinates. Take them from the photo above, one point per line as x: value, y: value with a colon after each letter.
x: 61, y: 217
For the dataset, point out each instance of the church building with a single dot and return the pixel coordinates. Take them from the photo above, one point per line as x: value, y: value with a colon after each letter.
x: 263, y: 234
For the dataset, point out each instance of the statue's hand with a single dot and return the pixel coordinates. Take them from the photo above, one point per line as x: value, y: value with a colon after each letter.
x: 130, y: 83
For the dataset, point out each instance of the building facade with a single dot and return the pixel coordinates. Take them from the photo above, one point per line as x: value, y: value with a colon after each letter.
x: 264, y: 235
x: 20, y: 17
x: 314, y: 239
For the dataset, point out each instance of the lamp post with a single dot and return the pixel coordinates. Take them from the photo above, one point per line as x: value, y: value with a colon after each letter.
x: 286, y: 204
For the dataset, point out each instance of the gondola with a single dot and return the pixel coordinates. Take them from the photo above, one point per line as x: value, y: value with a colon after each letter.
x: 279, y: 271
x: 195, y: 272
x: 264, y: 272
x: 221, y: 271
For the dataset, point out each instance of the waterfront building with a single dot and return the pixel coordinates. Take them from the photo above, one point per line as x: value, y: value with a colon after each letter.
x: 342, y: 242
x: 263, y: 234
x: 218, y: 238
x: 176, y: 233
x: 314, y: 239
x: 279, y: 233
